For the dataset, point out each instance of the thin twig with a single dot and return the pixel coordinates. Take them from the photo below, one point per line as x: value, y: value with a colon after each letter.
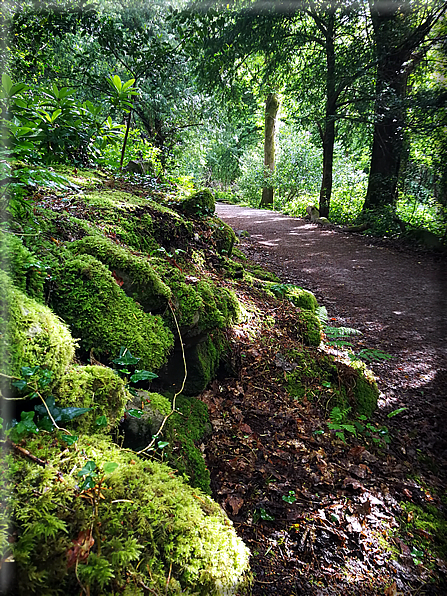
x: 178, y: 392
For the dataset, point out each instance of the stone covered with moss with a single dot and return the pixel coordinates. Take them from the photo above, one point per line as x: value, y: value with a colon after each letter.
x: 90, y: 300
x: 302, y: 298
x: 199, y: 204
x: 222, y: 236
x: 309, y: 328
x: 134, y: 272
x: 148, y: 531
x: 25, y: 269
x: 96, y: 387
x: 317, y: 376
x: 31, y: 334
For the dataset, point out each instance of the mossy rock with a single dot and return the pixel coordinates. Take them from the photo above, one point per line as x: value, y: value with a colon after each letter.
x: 302, y: 298
x: 90, y: 300
x: 25, y: 269
x: 201, y: 203
x: 309, y: 328
x: 31, y: 334
x: 95, y: 387
x: 222, y: 236
x: 261, y: 273
x: 183, y: 431
x: 318, y: 377
x: 203, y: 355
x: 200, y: 305
x: 134, y: 273
x: 150, y: 529
x: 139, y: 430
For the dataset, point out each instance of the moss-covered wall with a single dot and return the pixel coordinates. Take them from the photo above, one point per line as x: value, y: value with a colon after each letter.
x: 90, y: 300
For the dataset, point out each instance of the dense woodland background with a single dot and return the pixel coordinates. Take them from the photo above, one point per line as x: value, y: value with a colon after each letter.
x: 337, y: 104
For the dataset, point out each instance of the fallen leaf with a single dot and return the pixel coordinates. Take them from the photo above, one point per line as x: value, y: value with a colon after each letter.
x: 235, y: 502
x: 391, y: 590
x: 81, y: 548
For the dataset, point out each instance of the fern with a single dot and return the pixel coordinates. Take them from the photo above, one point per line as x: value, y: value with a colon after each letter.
x: 336, y: 332
x: 321, y: 313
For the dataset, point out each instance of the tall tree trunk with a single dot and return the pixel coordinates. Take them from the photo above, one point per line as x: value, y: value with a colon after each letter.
x: 396, y: 38
x: 328, y: 133
x: 272, y: 104
x: 388, y: 136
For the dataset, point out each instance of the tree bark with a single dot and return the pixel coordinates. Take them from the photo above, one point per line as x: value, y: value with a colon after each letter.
x: 396, y: 38
x: 328, y: 133
x: 272, y: 104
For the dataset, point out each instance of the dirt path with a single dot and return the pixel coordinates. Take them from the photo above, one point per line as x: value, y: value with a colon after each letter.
x: 397, y: 299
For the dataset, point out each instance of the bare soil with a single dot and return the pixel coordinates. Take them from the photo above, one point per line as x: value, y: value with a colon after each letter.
x: 327, y: 542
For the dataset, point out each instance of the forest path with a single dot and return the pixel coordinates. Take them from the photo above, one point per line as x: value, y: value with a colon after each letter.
x: 398, y: 299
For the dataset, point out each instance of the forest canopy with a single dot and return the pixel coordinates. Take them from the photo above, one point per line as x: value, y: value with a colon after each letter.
x: 283, y: 104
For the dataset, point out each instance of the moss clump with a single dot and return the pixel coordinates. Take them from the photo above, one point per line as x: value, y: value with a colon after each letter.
x: 31, y: 334
x: 25, y: 269
x: 302, y: 298
x: 430, y: 526
x: 138, y: 431
x: 309, y: 328
x: 138, y: 278
x: 319, y: 377
x: 261, y: 273
x: 99, y: 312
x: 183, y: 431
x: 201, y: 203
x: 149, y: 526
x: 222, y: 236
x: 199, y: 304
x: 95, y: 387
x: 361, y: 388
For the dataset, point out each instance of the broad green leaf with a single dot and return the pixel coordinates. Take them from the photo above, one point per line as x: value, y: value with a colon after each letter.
x: 6, y: 83
x: 89, y: 467
x: 101, y: 421
x: 135, y: 413
x: 110, y: 467
x: 162, y: 444
x: 128, y: 84
x: 20, y: 384
x: 396, y: 412
x: 143, y: 375
x: 70, y: 439
x: 126, y: 358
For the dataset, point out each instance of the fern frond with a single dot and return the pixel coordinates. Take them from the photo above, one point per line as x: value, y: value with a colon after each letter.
x: 321, y: 313
x: 335, y: 332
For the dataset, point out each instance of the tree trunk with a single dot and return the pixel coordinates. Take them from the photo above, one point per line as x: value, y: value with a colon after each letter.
x: 327, y: 133
x: 272, y: 104
x: 394, y: 46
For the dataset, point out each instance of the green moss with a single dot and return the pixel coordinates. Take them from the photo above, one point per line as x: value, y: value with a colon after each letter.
x: 431, y: 522
x: 198, y: 303
x: 261, y: 273
x: 138, y: 278
x: 89, y: 299
x: 222, y: 236
x: 319, y: 377
x: 31, y: 334
x: 302, y: 298
x: 363, y: 392
x: 96, y: 387
x: 183, y: 431
x: 201, y: 203
x: 149, y: 526
x: 25, y: 269
x: 309, y: 328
